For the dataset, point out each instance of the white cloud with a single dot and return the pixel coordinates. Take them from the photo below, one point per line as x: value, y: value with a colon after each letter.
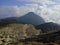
x: 8, y: 11
x: 50, y: 14
x: 40, y: 1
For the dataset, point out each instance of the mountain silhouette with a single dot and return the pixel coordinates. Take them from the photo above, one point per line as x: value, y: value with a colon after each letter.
x: 50, y: 26
x: 29, y: 18
x: 9, y: 19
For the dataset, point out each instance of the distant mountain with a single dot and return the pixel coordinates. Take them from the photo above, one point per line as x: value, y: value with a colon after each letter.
x: 9, y: 20
x: 30, y: 18
x: 49, y: 27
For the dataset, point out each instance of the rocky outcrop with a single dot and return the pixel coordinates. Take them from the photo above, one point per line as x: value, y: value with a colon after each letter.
x: 12, y: 33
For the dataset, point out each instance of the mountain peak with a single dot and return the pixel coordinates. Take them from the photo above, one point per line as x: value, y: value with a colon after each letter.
x: 32, y: 18
x: 29, y: 18
x: 31, y: 13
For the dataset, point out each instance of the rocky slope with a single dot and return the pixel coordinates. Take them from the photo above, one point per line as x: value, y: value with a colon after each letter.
x: 12, y: 33
x: 15, y: 34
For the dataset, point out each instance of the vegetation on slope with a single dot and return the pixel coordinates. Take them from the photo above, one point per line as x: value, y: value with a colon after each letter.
x: 12, y: 33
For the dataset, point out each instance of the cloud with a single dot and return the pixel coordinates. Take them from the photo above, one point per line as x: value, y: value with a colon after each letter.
x: 39, y: 1
x: 49, y: 14
x: 8, y: 11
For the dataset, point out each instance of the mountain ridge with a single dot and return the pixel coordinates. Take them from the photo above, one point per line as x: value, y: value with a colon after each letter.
x: 50, y: 26
x: 29, y: 18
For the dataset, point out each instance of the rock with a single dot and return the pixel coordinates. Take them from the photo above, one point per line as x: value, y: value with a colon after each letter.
x: 12, y: 33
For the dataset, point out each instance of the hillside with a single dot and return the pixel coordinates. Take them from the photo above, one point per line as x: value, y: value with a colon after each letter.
x: 12, y: 33
x: 29, y: 29
x: 26, y: 34
x: 50, y: 26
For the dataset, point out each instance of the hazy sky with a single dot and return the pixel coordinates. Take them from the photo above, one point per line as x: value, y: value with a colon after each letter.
x: 47, y: 9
